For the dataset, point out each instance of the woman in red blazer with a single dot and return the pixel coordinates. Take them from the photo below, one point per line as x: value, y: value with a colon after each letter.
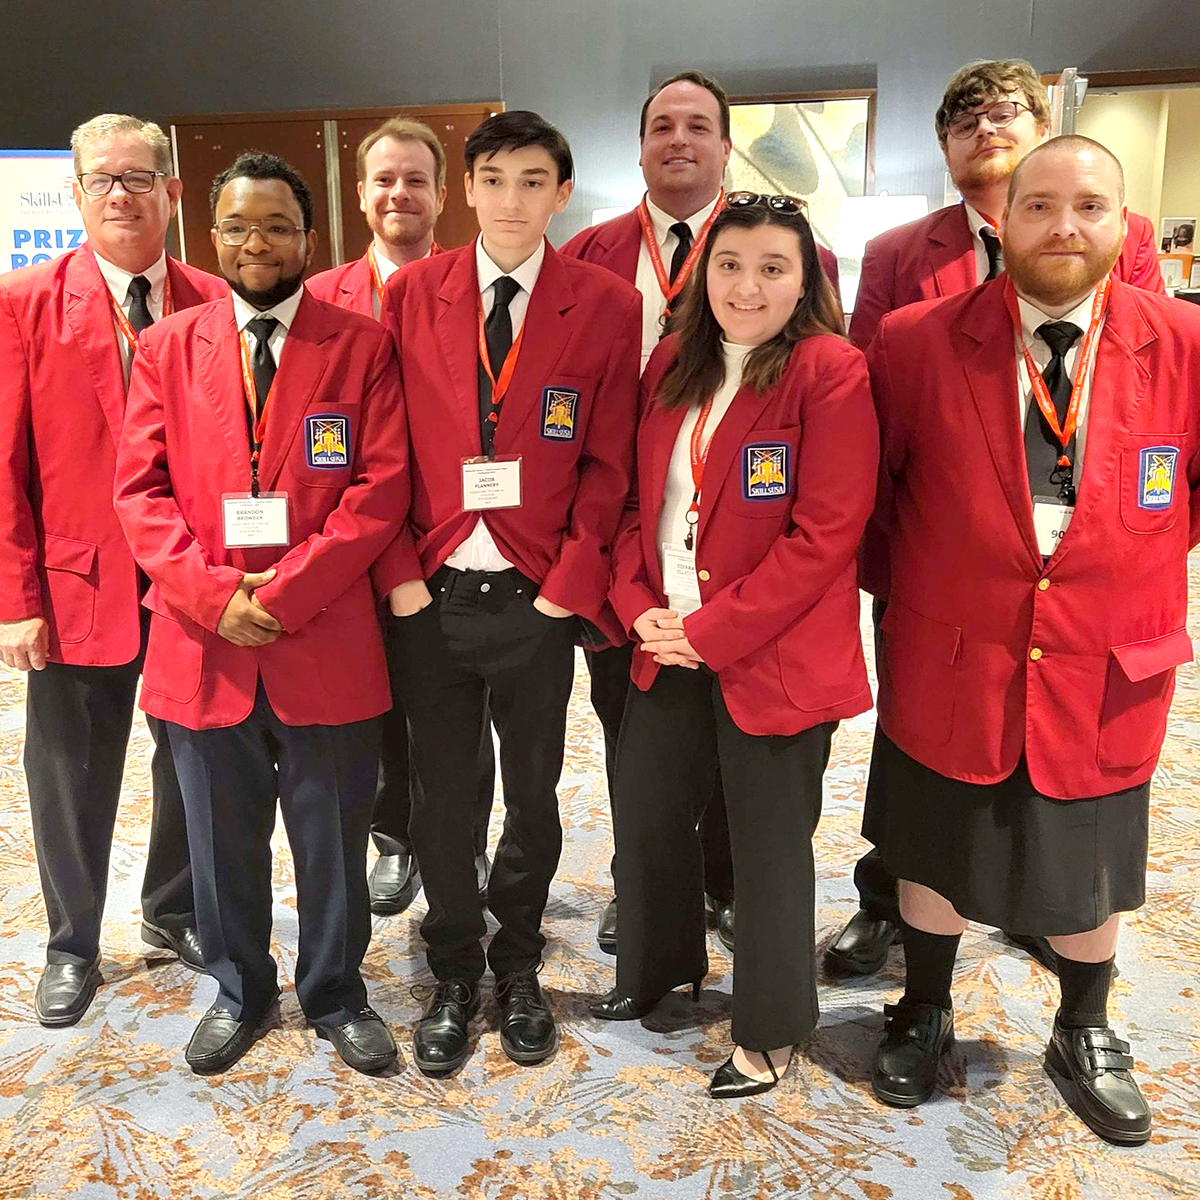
x: 734, y: 571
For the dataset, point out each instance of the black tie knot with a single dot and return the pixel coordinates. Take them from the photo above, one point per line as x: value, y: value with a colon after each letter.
x: 995, y: 252
x: 504, y: 289
x: 139, y: 288
x: 1060, y: 336
x: 139, y: 307
x: 683, y: 231
x: 262, y: 328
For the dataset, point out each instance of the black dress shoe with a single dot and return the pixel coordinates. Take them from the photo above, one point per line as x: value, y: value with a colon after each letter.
x: 483, y: 872
x: 364, y: 1042
x: 862, y: 947
x: 65, y: 991
x: 1091, y: 1068
x: 725, y: 923
x: 728, y: 1083
x: 606, y: 932
x: 527, y: 1029
x: 914, y: 1040
x: 612, y: 1006
x: 184, y: 943
x: 440, y: 1041
x: 393, y: 883
x: 220, y: 1039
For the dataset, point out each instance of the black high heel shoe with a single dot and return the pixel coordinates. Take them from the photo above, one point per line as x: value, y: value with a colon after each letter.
x: 612, y: 1006
x: 728, y: 1083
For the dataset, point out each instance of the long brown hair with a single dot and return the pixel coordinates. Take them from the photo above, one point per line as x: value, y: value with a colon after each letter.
x: 699, y: 366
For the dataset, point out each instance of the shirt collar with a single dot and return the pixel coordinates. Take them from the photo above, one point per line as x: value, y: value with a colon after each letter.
x: 1032, y: 317
x: 526, y: 274
x: 663, y: 221
x: 387, y: 268
x: 117, y: 278
x: 284, y: 312
x: 976, y: 220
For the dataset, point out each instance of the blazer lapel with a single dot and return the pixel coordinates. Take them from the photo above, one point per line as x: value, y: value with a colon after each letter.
x: 89, y: 314
x: 721, y: 466
x: 625, y: 245
x: 219, y: 372
x: 457, y: 330
x: 951, y: 254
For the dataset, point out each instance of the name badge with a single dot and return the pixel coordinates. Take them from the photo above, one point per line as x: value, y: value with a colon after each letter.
x: 679, y: 573
x: 255, y: 520
x: 491, y: 483
x: 1050, y: 521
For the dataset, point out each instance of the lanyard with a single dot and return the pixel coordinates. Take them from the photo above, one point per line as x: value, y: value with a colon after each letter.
x: 1041, y: 393
x: 258, y: 418
x: 377, y: 277
x: 123, y: 324
x: 499, y: 386
x: 699, y: 456
x: 671, y: 290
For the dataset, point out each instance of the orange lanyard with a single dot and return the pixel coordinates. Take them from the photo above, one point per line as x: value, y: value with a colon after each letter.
x: 1041, y: 393
x: 699, y: 456
x: 123, y: 324
x: 377, y: 277
x: 258, y: 418
x: 671, y: 290
x: 499, y: 386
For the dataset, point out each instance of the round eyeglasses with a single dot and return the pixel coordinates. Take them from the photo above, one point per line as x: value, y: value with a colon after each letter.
x: 233, y: 231
x: 100, y: 183
x: 1001, y: 114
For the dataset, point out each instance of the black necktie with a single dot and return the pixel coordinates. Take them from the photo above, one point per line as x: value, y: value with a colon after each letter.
x: 262, y: 361
x: 683, y: 232
x: 995, y: 252
x: 498, y: 335
x: 139, y: 306
x: 1042, y: 447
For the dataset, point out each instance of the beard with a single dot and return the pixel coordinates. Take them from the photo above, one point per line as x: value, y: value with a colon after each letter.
x: 401, y: 229
x: 1054, y: 282
x: 983, y: 172
x: 264, y: 298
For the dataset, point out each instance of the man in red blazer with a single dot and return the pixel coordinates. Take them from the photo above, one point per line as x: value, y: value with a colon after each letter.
x: 261, y: 470
x: 401, y: 190
x: 685, y: 144
x: 68, y: 585
x: 521, y: 369
x: 1038, y: 438
x: 991, y: 116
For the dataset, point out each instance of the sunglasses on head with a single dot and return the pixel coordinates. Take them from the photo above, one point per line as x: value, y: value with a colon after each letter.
x: 779, y: 204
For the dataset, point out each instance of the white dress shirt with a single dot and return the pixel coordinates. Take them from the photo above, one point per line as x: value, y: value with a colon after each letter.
x: 118, y: 280
x: 654, y: 303
x: 387, y: 269
x: 284, y: 312
x: 478, y: 550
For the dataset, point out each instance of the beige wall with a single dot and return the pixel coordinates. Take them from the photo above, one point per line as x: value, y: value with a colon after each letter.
x: 1181, y: 173
x: 1134, y: 126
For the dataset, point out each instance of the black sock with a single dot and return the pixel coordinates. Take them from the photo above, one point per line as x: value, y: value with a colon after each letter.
x: 929, y: 966
x: 1084, y: 992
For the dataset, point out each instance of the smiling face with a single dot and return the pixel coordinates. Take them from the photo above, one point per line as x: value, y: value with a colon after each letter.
x: 683, y: 150
x: 990, y: 155
x: 399, y: 194
x: 126, y: 228
x: 514, y: 194
x: 755, y: 279
x: 1064, y: 226
x: 263, y: 274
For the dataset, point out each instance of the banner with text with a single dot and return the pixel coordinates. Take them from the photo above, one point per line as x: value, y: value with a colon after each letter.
x: 38, y: 217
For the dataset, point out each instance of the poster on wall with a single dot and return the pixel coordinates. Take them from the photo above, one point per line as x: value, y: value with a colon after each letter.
x: 38, y: 217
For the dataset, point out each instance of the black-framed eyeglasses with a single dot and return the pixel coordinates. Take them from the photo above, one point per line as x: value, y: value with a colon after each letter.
x: 1000, y: 114
x: 779, y: 204
x: 235, y: 232
x: 100, y: 183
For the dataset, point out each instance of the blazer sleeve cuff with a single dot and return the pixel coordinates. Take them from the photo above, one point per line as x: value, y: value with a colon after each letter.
x: 398, y: 564
x: 709, y: 636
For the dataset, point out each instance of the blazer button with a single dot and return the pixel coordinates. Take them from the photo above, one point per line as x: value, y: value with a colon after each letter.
x: 1043, y: 584
x: 703, y: 576
x: 1035, y: 653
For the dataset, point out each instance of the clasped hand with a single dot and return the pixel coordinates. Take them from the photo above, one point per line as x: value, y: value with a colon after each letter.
x: 660, y: 633
x: 245, y: 622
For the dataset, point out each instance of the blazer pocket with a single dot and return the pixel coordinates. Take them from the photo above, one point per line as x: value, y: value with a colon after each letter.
x: 174, y: 654
x: 921, y: 659
x: 764, y: 476
x: 1137, y: 697
x: 72, y: 584
x: 1152, y: 481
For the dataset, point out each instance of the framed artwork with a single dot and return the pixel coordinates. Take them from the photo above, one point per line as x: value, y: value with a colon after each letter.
x: 1177, y: 234
x: 1194, y: 280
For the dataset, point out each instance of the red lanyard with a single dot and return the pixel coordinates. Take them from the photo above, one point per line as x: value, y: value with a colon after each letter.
x: 1041, y: 393
x: 377, y: 277
x: 499, y: 386
x: 699, y: 455
x: 671, y: 290
x: 258, y: 418
x: 123, y: 324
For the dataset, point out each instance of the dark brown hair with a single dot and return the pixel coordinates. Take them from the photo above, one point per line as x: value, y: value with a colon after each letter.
x: 700, y: 80
x: 699, y: 366
x: 985, y: 80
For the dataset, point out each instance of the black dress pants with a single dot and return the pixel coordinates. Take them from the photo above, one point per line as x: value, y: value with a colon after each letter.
x: 323, y: 777
x: 675, y: 736
x: 398, y: 778
x: 480, y: 646
x: 77, y: 730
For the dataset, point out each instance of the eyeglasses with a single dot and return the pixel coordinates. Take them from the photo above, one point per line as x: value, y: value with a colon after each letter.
x: 234, y: 232
x: 1001, y: 114
x: 779, y: 204
x: 100, y: 183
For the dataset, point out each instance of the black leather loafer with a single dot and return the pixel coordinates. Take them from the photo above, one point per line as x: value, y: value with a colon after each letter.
x: 612, y: 1006
x: 183, y: 943
x: 220, y: 1039
x: 364, y: 1042
x: 862, y: 947
x: 528, y: 1033
x: 440, y: 1041
x: 1091, y: 1068
x: 606, y: 931
x: 393, y: 883
x: 914, y: 1040
x: 65, y: 992
x: 483, y: 872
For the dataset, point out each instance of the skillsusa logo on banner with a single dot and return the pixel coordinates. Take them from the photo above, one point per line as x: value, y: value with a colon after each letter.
x: 38, y: 217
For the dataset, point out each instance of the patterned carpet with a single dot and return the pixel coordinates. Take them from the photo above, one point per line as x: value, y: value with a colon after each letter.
x: 109, y: 1110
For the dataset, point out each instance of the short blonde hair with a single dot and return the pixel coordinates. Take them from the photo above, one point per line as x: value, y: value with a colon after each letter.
x: 108, y: 125
x: 401, y: 129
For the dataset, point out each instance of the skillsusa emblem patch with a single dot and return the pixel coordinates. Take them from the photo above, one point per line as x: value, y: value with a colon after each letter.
x: 326, y: 438
x: 559, y: 410
x: 1156, y: 476
x: 766, y: 471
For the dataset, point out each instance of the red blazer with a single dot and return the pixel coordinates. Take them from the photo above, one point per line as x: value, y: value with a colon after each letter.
x: 989, y: 654
x: 779, y: 621
x: 349, y: 286
x: 185, y: 444
x: 933, y: 257
x: 62, y: 401
x: 582, y: 332
x: 615, y: 244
